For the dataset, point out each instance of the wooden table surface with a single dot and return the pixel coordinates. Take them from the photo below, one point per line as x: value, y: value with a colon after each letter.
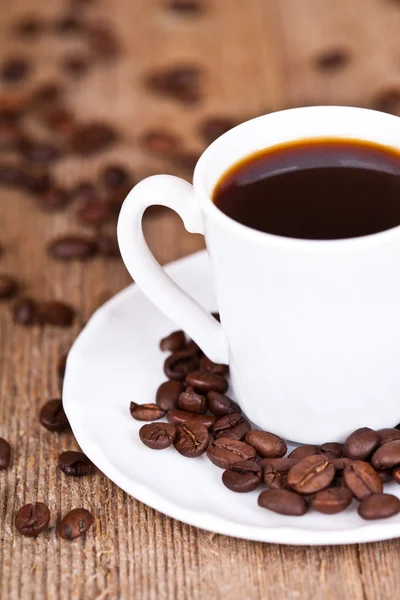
x: 257, y: 56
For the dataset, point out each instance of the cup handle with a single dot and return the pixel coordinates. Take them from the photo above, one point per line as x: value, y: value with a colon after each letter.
x: 178, y: 195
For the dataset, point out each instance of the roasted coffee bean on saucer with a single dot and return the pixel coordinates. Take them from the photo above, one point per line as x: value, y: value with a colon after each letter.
x: 224, y: 451
x: 275, y: 471
x: 211, y: 367
x: 146, y: 412
x: 331, y: 501
x: 192, y: 402
x: 168, y: 393
x: 268, y: 445
x: 362, y: 479
x: 221, y: 405
x: 203, y: 381
x: 283, y: 502
x: 304, y: 451
x: 191, y: 439
x: 243, y: 476
x: 311, y: 474
x: 157, y: 436
x: 361, y: 443
x: 332, y: 450
x: 179, y: 364
x: 379, y: 506
x: 178, y: 417
x: 389, y: 434
x: 32, y: 519
x: 387, y: 455
x: 173, y: 342
x: 232, y: 426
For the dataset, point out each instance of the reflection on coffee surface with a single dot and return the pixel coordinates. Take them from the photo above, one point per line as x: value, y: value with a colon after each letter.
x: 318, y: 189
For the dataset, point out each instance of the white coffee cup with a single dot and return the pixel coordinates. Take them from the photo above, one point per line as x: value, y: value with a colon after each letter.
x: 310, y: 329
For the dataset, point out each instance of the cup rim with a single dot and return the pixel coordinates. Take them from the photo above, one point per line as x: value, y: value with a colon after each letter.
x: 264, y: 238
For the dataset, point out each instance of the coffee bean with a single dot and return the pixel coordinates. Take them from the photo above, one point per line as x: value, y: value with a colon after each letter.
x: 173, y: 342
x: 379, y: 506
x: 168, y: 393
x: 37, y: 179
x: 157, y: 436
x: 15, y: 69
x: 67, y: 24
x: 103, y: 42
x: 387, y: 456
x: 11, y: 175
x: 55, y: 313
x: 75, y: 65
x: 96, y: 214
x: 180, y: 363
x: 58, y: 119
x: 9, y: 135
x: 361, y: 478
x: 32, y: 519
x: 146, y: 412
x: 283, y: 502
x: 107, y: 246
x: 25, y: 312
x: 267, y: 444
x: 47, y: 93
x: 53, y: 417
x: 92, y: 138
x: 181, y: 83
x: 396, y: 474
x: 160, y: 142
x: 186, y: 7
x: 71, y: 247
x: 388, y: 101
x: 217, y: 369
x: 5, y: 454
x: 275, y: 471
x: 224, y: 452
x: 243, y: 476
x: 385, y: 475
x: 304, y: 451
x: 214, y: 127
x: 311, y: 474
x: 389, y: 434
x: 192, y: 439
x: 341, y: 463
x: 232, y: 426
x: 332, y: 450
x: 202, y: 381
x: 361, y: 443
x: 75, y: 523
x: 8, y: 286
x: 115, y: 176
x: 29, y: 27
x: 332, y: 60
x: 178, y: 417
x: 54, y: 198
x: 192, y: 402
x: 75, y: 464
x: 221, y: 405
x: 38, y: 152
x: 331, y: 501
x: 86, y: 192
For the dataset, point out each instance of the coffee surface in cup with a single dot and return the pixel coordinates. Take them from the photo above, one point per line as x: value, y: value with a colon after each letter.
x: 318, y: 189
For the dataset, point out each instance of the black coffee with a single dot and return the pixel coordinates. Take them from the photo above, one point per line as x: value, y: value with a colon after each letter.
x: 317, y: 189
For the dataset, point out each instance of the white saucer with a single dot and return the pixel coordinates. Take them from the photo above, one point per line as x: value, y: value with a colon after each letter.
x: 115, y: 360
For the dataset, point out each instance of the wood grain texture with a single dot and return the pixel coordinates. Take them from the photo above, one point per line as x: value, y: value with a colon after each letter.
x: 258, y: 56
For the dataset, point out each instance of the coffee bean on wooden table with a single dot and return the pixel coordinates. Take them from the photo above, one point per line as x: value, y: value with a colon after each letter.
x: 178, y: 417
x: 5, y: 454
x: 221, y: 405
x: 311, y: 474
x: 29, y: 27
x: 173, y: 342
x: 168, y: 393
x: 75, y: 524
x: 48, y: 93
x: 114, y: 176
x: 53, y: 417
x: 304, y: 451
x: 75, y: 464
x: 192, y: 402
x: 96, y: 214
x: 56, y: 313
x: 32, y: 519
x: 387, y: 456
x: 180, y: 363
x: 379, y: 506
x: 283, y: 502
x: 332, y: 60
x: 160, y: 142
x: 86, y: 192
x: 243, y: 476
x: 223, y: 452
x: 205, y: 382
x: 8, y: 286
x: 103, y: 42
x: 181, y: 83
x: 157, y: 436
x: 332, y: 450
x: 214, y: 127
x: 232, y: 426
x: 267, y: 444
x: 9, y: 135
x: 14, y: 69
x: 11, y: 175
x: 332, y: 500
x: 360, y: 444
x: 186, y: 7
x: 37, y: 179
x: 68, y: 24
x: 92, y: 138
x: 275, y: 471
x: 389, y: 434
x: 76, y: 65
x: 54, y: 198
x: 107, y: 246
x: 25, y: 311
x: 191, y: 439
x: 146, y: 412
x: 38, y: 152
x: 361, y: 478
x: 71, y: 247
x: 211, y: 367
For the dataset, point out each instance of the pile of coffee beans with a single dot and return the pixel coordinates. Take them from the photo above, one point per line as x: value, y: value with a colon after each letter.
x: 203, y: 420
